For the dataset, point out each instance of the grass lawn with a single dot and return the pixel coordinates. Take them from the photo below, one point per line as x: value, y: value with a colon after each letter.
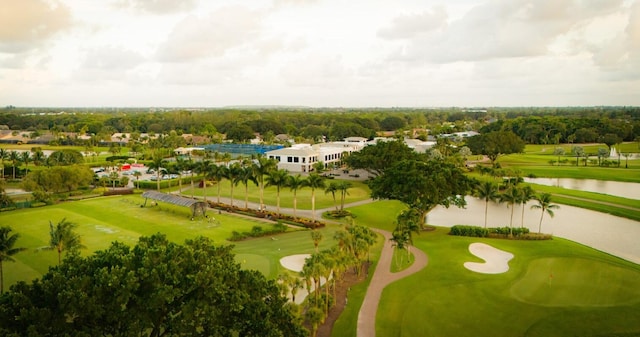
x: 107, y: 219
x: 359, y: 191
x: 553, y: 288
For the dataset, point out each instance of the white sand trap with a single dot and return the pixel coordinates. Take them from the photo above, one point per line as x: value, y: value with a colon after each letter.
x: 294, y: 262
x: 496, y: 260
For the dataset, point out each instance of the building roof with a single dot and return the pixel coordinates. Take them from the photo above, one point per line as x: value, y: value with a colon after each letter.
x: 172, y: 199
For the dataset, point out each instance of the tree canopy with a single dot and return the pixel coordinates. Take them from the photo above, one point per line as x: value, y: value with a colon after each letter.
x: 157, y: 288
x: 381, y: 156
x: 495, y: 143
x: 422, y: 185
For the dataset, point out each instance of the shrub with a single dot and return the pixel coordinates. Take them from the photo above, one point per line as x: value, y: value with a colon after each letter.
x: 472, y: 231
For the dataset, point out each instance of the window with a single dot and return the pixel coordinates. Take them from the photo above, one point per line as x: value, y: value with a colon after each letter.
x: 296, y: 159
x: 289, y: 160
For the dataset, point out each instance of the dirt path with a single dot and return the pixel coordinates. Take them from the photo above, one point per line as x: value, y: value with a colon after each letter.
x: 381, y: 278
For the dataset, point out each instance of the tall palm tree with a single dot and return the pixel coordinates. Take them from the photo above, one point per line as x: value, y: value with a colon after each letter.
x: 25, y: 158
x: 179, y: 167
x: 544, y: 204
x: 314, y: 181
x: 137, y: 175
x: 295, y: 183
x: 343, y: 187
x: 63, y: 238
x: 316, y: 236
x: 511, y: 196
x: 488, y: 191
x: 14, y: 156
x: 246, y: 175
x: 233, y: 175
x: 203, y: 168
x: 261, y: 167
x: 7, y: 250
x: 4, y: 154
x: 332, y: 188
x: 157, y: 164
x: 526, y: 194
x: 277, y: 178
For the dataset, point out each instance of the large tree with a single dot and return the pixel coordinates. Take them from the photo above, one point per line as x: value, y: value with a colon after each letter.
x: 7, y: 250
x: 157, y: 288
x: 496, y: 143
x: 422, y: 185
x: 381, y: 156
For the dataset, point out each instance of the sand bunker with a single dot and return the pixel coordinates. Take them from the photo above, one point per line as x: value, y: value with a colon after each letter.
x: 294, y: 262
x: 496, y: 260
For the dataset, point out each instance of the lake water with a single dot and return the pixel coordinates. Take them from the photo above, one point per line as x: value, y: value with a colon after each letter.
x: 610, y: 234
x: 617, y: 188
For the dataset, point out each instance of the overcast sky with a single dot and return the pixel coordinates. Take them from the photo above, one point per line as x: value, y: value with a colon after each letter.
x: 321, y: 53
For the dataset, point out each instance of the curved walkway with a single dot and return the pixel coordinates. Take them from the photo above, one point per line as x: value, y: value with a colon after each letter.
x: 381, y: 278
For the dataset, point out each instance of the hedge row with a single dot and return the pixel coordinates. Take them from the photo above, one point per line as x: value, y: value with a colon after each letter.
x: 498, y: 232
x: 258, y: 231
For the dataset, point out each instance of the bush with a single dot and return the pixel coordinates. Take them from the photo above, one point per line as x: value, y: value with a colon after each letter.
x: 472, y: 231
x: 258, y: 231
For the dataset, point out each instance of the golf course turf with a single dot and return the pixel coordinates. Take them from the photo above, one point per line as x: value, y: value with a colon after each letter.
x: 552, y: 288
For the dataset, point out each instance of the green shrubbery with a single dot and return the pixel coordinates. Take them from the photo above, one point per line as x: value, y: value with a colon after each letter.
x: 258, y: 231
x: 517, y: 233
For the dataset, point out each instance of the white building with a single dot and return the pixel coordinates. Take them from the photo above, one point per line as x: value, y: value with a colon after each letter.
x: 302, y: 157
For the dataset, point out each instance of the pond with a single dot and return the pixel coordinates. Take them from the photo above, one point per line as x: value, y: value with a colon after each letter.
x: 616, y: 188
x: 608, y: 233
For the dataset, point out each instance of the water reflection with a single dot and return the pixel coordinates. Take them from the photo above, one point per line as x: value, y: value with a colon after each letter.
x: 611, y: 234
x: 617, y: 188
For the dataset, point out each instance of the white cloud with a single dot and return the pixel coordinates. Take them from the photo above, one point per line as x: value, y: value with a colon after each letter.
x: 26, y: 24
x: 158, y: 6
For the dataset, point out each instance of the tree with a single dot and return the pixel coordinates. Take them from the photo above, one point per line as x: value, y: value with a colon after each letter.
x: 545, y: 205
x: 7, y: 250
x: 245, y: 176
x: 217, y: 173
x: 137, y: 175
x: 25, y: 158
x: 295, y: 183
x: 422, y: 185
x: 577, y: 151
x: 315, y: 316
x: 377, y: 158
x: 4, y: 155
x: 233, y: 175
x: 314, y: 181
x: 316, y: 236
x: 343, y: 187
x: 511, y: 196
x: 332, y: 188
x: 526, y: 194
x: 261, y: 167
x: 495, y: 143
x: 14, y: 156
x: 487, y: 191
x: 610, y: 139
x: 157, y: 164
x: 156, y: 288
x: 62, y: 237
x: 406, y: 225
x: 277, y: 178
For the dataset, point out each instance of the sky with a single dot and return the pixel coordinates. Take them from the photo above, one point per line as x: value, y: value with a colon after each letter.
x: 319, y: 53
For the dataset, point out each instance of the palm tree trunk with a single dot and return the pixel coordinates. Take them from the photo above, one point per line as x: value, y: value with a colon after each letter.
x: 246, y: 195
x: 278, y: 199
x: 313, y: 205
x: 486, y: 208
x: 540, y: 224
x: 295, y: 202
x: 1, y: 279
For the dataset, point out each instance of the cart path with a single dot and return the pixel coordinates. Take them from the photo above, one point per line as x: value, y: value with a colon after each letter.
x: 381, y: 278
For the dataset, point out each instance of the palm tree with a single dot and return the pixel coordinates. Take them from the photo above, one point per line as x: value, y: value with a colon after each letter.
x: 343, y: 187
x: 261, y: 167
x: 526, y: 194
x: 314, y: 181
x: 157, y: 164
x: 137, y: 175
x: 295, y: 183
x: 511, y: 196
x: 489, y: 192
x: 25, y: 157
x: 233, y: 175
x: 332, y: 188
x: 4, y: 154
x: 63, y: 237
x: 316, y: 236
x: 14, y: 156
x: 218, y: 172
x: 277, y: 178
x: 179, y: 167
x: 544, y: 204
x: 7, y: 250
x: 203, y: 168
x: 246, y: 176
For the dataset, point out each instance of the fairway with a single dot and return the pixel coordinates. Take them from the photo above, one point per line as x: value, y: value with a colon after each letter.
x: 118, y: 218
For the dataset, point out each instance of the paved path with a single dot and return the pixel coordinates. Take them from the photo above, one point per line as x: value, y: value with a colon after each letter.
x: 381, y: 278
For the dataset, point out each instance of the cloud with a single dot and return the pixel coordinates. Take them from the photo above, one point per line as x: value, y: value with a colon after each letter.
x: 26, y: 24
x: 111, y: 58
x: 499, y: 29
x: 158, y: 6
x: 413, y: 25
x: 210, y: 36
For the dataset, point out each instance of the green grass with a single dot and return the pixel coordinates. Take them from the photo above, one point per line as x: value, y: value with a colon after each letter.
x: 104, y: 220
x: 359, y: 191
x: 448, y: 300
